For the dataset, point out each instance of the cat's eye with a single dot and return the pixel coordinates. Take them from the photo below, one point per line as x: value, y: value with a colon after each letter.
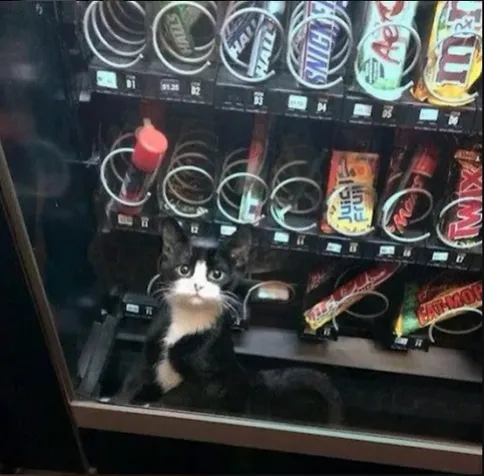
x: 183, y: 270
x: 215, y: 275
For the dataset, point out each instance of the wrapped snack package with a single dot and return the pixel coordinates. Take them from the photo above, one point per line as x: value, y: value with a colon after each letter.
x: 454, y: 54
x: 425, y: 306
x: 384, y: 43
x: 348, y: 294
x: 350, y: 193
x: 396, y: 215
x: 462, y: 222
x: 318, y: 48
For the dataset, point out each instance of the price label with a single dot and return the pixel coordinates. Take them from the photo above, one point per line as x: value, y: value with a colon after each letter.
x: 170, y: 86
x: 107, y: 79
x: 281, y: 237
x: 133, y: 308
x: 125, y: 220
x: 401, y: 341
x: 440, y: 256
x: 227, y: 230
x: 428, y: 115
x: 386, y: 250
x: 334, y: 248
x: 362, y: 110
x: 297, y: 103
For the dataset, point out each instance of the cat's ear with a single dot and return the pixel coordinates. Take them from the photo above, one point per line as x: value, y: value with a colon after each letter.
x: 175, y: 241
x: 239, y: 246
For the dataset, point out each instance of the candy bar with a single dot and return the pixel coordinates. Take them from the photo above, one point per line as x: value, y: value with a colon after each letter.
x: 381, y: 61
x: 417, y: 175
x: 348, y: 294
x: 351, y: 210
x: 178, y: 30
x: 320, y: 41
x: 241, y: 30
x: 265, y: 40
x: 454, y: 54
x: 464, y: 220
x: 417, y: 314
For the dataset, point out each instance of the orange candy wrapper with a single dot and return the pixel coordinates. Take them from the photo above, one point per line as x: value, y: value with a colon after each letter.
x: 350, y: 192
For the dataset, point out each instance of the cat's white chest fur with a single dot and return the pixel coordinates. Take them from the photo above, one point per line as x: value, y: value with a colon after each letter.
x: 186, y: 320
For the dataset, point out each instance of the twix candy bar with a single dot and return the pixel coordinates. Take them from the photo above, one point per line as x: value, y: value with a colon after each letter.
x: 350, y: 210
x: 416, y: 313
x: 348, y: 294
x: 464, y: 220
x: 454, y: 54
x: 402, y: 176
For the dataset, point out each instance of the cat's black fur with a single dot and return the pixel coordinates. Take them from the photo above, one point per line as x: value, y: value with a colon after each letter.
x: 213, y: 377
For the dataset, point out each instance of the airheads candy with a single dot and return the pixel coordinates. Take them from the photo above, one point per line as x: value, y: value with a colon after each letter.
x: 454, y: 54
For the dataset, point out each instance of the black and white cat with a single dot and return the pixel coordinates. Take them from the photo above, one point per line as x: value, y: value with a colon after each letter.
x: 189, y: 358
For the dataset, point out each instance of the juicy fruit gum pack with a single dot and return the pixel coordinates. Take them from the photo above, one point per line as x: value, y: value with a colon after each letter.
x: 454, y: 54
x: 350, y: 210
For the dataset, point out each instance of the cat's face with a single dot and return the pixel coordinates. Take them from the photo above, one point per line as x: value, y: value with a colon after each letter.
x: 197, y: 273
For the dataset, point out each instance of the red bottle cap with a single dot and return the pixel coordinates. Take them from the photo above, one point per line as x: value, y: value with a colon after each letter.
x: 150, y: 148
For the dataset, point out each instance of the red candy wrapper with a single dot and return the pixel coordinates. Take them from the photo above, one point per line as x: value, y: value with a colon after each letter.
x: 348, y: 294
x: 464, y: 220
x: 401, y: 177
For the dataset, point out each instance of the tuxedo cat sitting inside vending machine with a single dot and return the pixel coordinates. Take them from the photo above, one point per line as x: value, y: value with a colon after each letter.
x: 189, y: 358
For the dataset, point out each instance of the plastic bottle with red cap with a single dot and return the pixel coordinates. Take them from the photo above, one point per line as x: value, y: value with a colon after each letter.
x: 149, y: 151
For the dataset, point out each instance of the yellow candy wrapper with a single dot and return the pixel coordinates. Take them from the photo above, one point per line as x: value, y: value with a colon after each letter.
x: 454, y: 55
x: 350, y: 193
